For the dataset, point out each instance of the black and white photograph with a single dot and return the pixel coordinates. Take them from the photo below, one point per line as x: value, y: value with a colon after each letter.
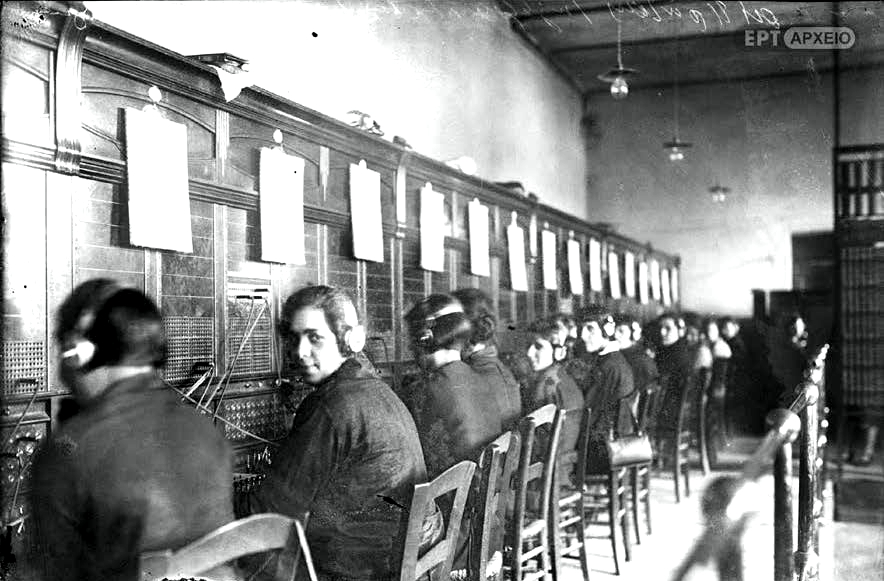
x: 442, y: 290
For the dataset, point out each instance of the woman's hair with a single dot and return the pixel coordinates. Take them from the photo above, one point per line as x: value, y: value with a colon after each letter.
x: 124, y: 325
x: 480, y: 310
x: 597, y: 314
x: 335, y: 304
x: 438, y: 322
x: 545, y: 328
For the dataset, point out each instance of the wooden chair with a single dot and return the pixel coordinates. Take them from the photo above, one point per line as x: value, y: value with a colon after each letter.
x: 568, y: 509
x: 641, y: 473
x: 437, y: 559
x: 604, y: 491
x: 686, y: 432
x: 492, y: 497
x: 535, y: 465
x: 254, y: 534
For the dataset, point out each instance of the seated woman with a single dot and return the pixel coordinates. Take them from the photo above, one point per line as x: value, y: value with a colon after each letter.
x: 480, y: 353
x: 353, y: 455
x: 552, y: 384
x: 134, y: 470
x: 721, y: 355
x: 454, y: 407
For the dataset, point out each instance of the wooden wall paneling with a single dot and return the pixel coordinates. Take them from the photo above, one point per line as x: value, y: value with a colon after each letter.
x: 101, y: 236
x: 341, y: 264
x: 381, y: 317
x: 59, y: 261
x: 247, y: 137
x: 219, y: 291
x: 107, y: 93
x: 247, y: 276
x: 27, y: 91
x: 25, y: 336
x: 187, y: 296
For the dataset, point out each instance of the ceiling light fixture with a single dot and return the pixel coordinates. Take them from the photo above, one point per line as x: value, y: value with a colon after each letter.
x: 676, y: 147
x: 719, y: 193
x: 617, y: 76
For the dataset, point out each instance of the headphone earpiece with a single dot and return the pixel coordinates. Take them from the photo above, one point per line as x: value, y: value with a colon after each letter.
x: 426, y: 337
x: 80, y: 354
x: 354, y: 338
x: 82, y: 350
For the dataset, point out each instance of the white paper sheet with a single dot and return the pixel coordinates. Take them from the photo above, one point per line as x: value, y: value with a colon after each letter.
x: 480, y: 263
x: 664, y: 282
x: 432, y: 220
x: 629, y: 273
x: 159, y: 200
x: 281, y: 202
x: 643, y: 282
x: 614, y: 274
x: 550, y: 274
x: 655, y: 279
x: 575, y: 271
x: 673, y: 283
x: 515, y: 236
x: 595, y: 265
x: 365, y: 213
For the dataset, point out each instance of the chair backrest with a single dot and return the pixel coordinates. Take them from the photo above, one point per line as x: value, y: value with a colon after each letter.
x: 458, y: 480
x: 540, y: 467
x: 646, y: 400
x: 497, y: 464
x: 696, y: 385
x: 246, y: 536
x: 583, y: 446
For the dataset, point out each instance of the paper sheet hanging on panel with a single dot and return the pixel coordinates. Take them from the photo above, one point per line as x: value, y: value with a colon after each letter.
x: 515, y: 236
x: 432, y: 223
x: 159, y: 200
x: 629, y: 273
x: 365, y: 213
x: 614, y: 274
x: 282, y: 207
x: 480, y: 263
x: 548, y: 241
x: 595, y: 265
x: 575, y: 273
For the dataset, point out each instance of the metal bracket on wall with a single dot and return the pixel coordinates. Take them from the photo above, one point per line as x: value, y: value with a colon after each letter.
x: 68, y: 66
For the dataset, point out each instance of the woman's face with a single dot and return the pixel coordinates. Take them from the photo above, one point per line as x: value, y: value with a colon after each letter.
x: 668, y: 331
x: 712, y: 332
x: 541, y: 353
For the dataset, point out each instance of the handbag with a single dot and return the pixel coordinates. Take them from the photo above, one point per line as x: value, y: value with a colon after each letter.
x: 631, y: 449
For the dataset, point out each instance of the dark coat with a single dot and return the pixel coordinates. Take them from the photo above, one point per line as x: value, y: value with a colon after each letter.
x: 503, y: 384
x: 456, y: 413
x: 132, y: 471
x: 351, y: 457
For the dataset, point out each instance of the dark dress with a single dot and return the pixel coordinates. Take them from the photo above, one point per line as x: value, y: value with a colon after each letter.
x: 675, y: 363
x: 351, y: 460
x: 503, y: 384
x: 456, y: 413
x: 132, y: 471
x: 608, y: 382
x: 554, y: 385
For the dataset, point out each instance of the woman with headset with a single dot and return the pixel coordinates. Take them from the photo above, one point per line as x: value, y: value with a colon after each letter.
x: 481, y: 354
x: 134, y: 470
x: 454, y: 407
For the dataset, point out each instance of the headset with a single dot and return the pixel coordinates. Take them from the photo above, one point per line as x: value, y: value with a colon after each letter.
x: 354, y: 338
x: 426, y: 336
x: 83, y: 349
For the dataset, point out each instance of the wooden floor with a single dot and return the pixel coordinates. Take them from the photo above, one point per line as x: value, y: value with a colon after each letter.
x: 860, y: 546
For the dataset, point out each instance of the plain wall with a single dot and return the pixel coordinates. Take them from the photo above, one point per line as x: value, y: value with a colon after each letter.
x: 769, y: 140
x: 450, y: 77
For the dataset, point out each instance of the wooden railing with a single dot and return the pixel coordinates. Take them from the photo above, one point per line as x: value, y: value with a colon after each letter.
x: 730, y: 501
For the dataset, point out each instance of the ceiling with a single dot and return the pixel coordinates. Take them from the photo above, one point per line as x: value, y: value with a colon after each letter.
x: 579, y: 38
